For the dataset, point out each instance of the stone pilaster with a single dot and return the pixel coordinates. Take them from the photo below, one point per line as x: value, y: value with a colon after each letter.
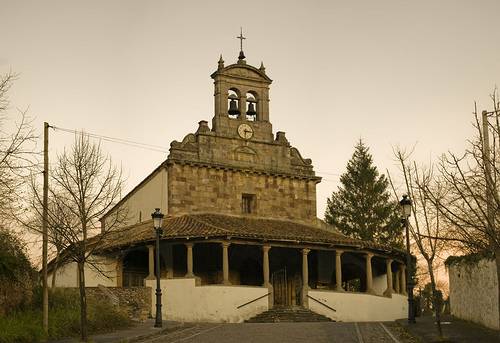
x: 369, y: 276
x: 225, y: 263
x: 388, y: 266
x: 189, y: 260
x: 338, y: 270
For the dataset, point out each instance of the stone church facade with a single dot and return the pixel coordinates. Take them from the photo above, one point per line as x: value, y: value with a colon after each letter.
x: 241, y: 233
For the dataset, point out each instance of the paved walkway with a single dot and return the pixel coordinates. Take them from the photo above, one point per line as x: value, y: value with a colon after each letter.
x: 136, y: 333
x: 321, y: 332
x: 454, y: 330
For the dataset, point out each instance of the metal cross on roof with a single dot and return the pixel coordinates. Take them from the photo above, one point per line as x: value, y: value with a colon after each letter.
x: 240, y: 37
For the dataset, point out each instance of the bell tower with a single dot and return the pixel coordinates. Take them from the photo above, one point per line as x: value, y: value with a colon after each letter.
x: 241, y: 96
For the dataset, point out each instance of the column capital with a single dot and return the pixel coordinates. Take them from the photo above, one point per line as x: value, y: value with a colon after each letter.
x: 266, y: 247
x: 389, y: 261
x: 369, y: 255
x: 189, y: 244
x: 226, y: 244
x: 305, y: 251
x: 339, y: 252
x: 150, y: 246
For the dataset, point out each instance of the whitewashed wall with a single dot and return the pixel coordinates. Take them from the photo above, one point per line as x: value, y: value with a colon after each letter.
x: 142, y: 201
x: 474, y: 292
x: 359, y: 307
x: 183, y: 301
x: 67, y: 275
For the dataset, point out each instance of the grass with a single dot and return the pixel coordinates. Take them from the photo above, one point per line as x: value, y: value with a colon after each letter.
x: 64, y: 319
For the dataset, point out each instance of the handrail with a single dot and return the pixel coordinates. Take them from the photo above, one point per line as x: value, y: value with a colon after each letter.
x: 251, y: 301
x: 322, y: 303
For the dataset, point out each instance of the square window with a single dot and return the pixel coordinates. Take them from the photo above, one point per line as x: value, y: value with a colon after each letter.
x: 248, y: 203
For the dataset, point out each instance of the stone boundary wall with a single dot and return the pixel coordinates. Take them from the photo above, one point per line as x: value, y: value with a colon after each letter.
x: 474, y: 292
x: 136, y: 302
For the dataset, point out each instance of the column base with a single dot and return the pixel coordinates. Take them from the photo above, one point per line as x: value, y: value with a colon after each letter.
x: 226, y: 283
x: 370, y: 291
x: 388, y: 293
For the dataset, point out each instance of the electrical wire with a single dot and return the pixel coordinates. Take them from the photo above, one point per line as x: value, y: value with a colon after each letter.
x: 151, y: 147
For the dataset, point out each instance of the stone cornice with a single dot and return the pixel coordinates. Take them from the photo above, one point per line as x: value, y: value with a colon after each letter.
x: 211, y: 165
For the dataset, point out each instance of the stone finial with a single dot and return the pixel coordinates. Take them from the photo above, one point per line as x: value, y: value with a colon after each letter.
x: 221, y: 63
x: 281, y: 139
x: 262, y: 68
x: 203, y: 126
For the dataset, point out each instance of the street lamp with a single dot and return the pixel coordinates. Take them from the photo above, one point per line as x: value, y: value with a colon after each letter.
x: 157, y: 221
x: 405, y: 205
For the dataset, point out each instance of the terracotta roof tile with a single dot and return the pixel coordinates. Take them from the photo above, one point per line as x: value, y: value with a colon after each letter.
x: 211, y: 225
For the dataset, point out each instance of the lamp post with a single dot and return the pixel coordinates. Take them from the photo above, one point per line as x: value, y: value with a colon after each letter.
x: 405, y: 205
x: 157, y: 221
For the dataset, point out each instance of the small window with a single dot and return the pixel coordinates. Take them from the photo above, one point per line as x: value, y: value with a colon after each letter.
x: 248, y: 203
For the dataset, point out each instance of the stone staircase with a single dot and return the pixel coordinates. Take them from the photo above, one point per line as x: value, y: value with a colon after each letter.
x: 288, y: 315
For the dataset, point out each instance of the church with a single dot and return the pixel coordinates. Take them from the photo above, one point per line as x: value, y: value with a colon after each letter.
x: 241, y: 234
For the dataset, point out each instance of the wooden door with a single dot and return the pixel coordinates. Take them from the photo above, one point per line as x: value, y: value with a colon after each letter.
x: 280, y: 289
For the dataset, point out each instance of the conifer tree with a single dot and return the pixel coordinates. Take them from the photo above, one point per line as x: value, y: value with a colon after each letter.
x: 361, y: 207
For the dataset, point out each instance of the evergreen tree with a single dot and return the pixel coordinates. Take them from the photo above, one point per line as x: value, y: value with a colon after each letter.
x: 361, y: 207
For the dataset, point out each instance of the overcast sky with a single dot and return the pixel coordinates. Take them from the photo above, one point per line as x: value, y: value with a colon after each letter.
x: 389, y: 72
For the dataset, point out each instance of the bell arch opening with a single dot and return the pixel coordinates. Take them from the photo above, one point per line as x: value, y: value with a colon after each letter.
x: 233, y: 103
x: 251, y: 106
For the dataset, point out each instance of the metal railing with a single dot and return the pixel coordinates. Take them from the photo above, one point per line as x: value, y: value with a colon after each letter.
x: 322, y: 303
x: 251, y: 301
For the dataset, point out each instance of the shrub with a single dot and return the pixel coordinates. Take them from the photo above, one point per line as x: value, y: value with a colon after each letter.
x: 64, y: 318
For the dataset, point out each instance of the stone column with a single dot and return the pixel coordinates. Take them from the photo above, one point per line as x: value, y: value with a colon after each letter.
x: 151, y: 250
x: 119, y: 271
x: 369, y: 277
x: 396, y: 286
x: 169, y: 260
x: 403, y: 278
x: 265, y: 264
x: 338, y: 270
x: 389, y: 289
x: 305, y: 278
x: 189, y: 260
x: 225, y: 263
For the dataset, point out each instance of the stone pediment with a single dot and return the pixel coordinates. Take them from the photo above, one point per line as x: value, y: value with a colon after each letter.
x: 243, y: 71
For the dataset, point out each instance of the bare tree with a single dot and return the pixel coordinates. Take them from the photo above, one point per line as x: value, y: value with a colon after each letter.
x: 84, y: 186
x: 472, y: 180
x: 17, y: 151
x: 426, y: 222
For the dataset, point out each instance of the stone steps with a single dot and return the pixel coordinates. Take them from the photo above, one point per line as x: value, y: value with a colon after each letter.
x: 288, y: 315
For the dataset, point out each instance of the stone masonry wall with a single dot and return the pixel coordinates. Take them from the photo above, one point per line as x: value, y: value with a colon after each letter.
x: 202, y: 189
x: 134, y: 301
x: 474, y: 292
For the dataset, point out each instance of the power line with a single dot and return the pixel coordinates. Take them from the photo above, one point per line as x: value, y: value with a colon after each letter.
x: 146, y: 146
x: 128, y: 142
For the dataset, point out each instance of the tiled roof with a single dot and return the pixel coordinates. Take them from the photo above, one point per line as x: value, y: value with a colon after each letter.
x: 245, y: 227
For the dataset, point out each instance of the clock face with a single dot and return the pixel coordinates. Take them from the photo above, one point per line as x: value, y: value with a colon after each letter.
x: 245, y: 131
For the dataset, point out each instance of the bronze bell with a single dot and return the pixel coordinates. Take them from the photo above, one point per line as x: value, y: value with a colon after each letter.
x: 233, y: 108
x: 251, y: 110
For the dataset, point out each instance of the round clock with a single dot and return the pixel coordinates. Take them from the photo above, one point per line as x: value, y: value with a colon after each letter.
x: 245, y: 131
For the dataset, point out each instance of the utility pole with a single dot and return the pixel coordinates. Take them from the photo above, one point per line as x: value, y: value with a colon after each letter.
x: 44, y: 225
